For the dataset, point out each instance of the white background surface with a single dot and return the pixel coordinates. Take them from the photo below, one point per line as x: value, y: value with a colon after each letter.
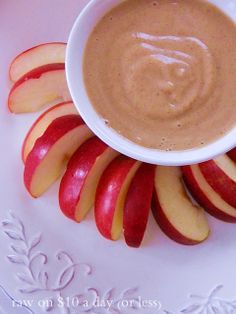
x: 161, y: 269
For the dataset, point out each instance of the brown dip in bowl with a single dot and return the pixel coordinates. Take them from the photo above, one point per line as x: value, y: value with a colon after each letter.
x: 162, y: 73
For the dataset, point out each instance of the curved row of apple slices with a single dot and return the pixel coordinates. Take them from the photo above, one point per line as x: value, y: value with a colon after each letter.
x: 120, y: 189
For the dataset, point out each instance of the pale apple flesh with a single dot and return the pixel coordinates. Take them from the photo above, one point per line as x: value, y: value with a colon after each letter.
x: 88, y: 193
x: 39, y: 88
x: 138, y: 204
x: 35, y: 57
x: 111, y: 194
x: 41, y: 124
x: 220, y: 174
x: 180, y: 219
x: 206, y: 196
x: 51, y: 151
x: 79, y: 183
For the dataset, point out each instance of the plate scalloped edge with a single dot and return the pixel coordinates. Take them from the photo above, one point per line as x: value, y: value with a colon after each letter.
x: 25, y: 252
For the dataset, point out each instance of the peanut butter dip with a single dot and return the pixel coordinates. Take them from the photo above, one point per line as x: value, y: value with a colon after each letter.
x: 163, y: 73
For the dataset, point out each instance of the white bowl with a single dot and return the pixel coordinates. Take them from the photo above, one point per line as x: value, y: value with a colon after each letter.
x: 80, y: 32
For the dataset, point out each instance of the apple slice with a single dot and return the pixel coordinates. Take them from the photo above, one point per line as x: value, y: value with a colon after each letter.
x: 38, y: 88
x: 51, y: 151
x: 138, y: 204
x: 110, y: 195
x: 41, y: 124
x: 220, y: 174
x: 206, y: 196
x: 79, y: 183
x: 35, y: 57
x: 178, y: 217
x: 232, y: 154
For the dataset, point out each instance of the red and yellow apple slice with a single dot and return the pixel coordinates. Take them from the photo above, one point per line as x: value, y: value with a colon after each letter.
x: 38, y: 88
x: 79, y: 183
x: 220, y: 174
x: 41, y: 124
x: 138, y: 204
x: 178, y: 217
x: 35, y: 57
x: 111, y: 194
x: 206, y: 196
x: 51, y: 151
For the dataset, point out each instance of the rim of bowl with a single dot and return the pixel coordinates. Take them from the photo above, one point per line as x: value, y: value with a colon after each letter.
x: 74, y: 75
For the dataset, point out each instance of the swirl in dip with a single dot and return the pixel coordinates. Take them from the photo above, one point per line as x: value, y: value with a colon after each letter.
x: 163, y: 73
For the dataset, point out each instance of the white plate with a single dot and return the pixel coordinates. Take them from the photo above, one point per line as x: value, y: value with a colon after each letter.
x: 160, y: 270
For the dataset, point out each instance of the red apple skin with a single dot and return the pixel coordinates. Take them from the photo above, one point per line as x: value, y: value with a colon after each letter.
x: 28, y: 50
x: 232, y: 154
x: 54, y: 132
x: 138, y: 204
x: 39, y: 118
x: 74, y: 178
x: 219, y: 181
x: 108, y: 192
x: 201, y: 197
x: 165, y: 225
x: 34, y: 74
